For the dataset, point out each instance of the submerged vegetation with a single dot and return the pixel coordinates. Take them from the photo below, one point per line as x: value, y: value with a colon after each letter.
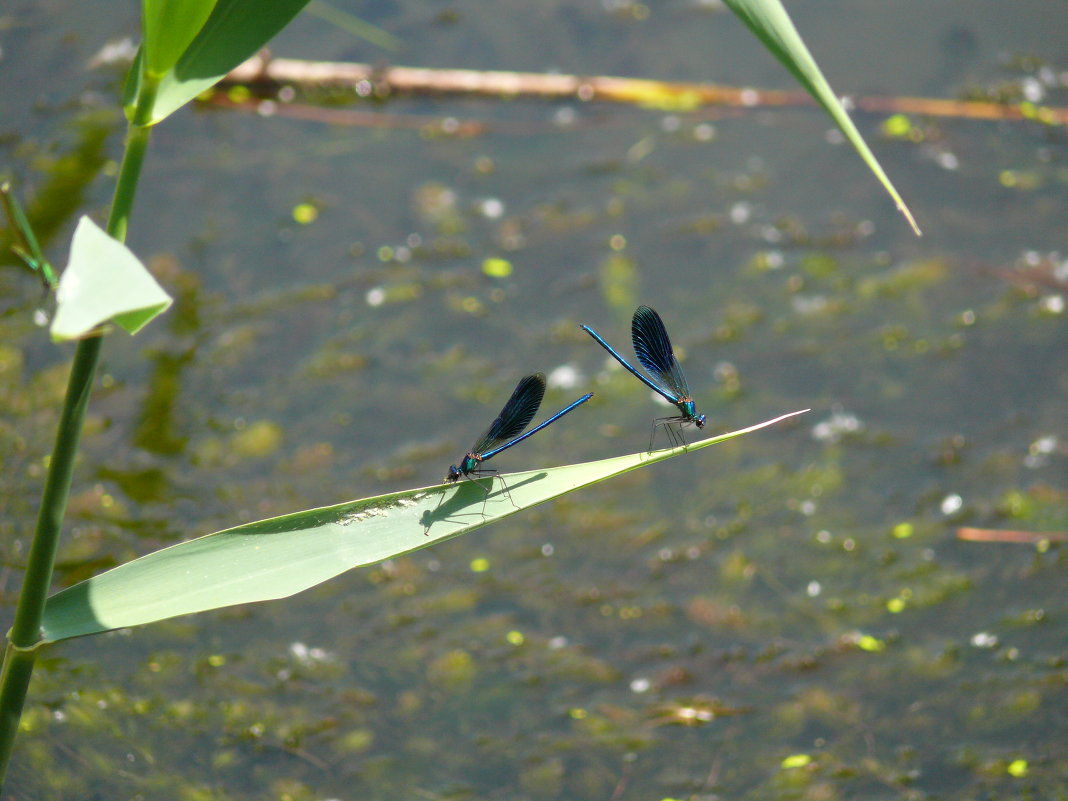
x: 792, y: 617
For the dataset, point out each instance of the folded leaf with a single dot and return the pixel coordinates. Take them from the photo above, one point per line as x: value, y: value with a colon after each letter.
x: 104, y: 281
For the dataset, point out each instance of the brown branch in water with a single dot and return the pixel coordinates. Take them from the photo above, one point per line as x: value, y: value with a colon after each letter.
x: 381, y: 81
x: 1005, y: 535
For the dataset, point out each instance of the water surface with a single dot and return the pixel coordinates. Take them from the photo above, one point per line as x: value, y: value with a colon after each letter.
x: 787, y: 615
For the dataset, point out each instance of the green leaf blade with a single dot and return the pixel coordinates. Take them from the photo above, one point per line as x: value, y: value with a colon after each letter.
x: 282, y: 556
x: 354, y: 25
x: 104, y: 281
x: 169, y: 26
x: 25, y: 242
x: 770, y: 23
x: 233, y: 32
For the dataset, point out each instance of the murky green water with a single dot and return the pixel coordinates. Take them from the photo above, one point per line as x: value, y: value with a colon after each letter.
x: 789, y: 615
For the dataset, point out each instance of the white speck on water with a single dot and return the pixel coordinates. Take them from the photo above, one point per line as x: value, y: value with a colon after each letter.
x: 640, y: 685
x: 741, y: 212
x: 984, y: 639
x: 566, y: 376
x: 836, y: 426
x: 952, y: 504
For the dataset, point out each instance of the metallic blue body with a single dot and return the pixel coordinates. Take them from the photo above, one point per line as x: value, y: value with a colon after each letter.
x: 652, y: 346
x: 505, y: 430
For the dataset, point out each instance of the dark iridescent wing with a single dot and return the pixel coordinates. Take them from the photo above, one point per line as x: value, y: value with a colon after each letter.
x: 516, y: 414
x: 653, y: 349
x: 494, y: 451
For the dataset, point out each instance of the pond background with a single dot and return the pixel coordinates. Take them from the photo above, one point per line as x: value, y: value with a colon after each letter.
x: 789, y: 615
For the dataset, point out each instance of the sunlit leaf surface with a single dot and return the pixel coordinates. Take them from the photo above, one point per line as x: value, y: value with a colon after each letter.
x: 235, y: 30
x: 169, y: 26
x: 104, y: 281
x: 281, y: 556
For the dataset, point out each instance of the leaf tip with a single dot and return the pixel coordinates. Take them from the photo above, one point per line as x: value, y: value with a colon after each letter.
x: 908, y: 216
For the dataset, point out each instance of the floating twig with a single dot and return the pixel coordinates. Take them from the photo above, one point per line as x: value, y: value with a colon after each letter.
x: 1006, y: 535
x: 383, y: 80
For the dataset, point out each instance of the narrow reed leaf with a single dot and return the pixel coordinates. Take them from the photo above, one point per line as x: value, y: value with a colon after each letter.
x: 281, y: 556
x: 768, y: 20
x: 168, y: 27
x: 234, y: 31
x: 24, y: 242
x: 354, y: 25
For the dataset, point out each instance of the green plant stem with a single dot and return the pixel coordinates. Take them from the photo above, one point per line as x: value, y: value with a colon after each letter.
x: 24, y: 637
x: 25, y: 633
x: 133, y: 158
x: 15, y: 678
